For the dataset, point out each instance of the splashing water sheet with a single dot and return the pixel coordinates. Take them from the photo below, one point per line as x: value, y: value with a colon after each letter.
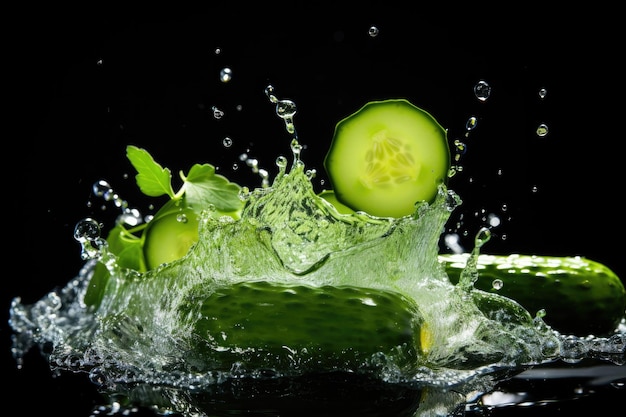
x: 136, y: 345
x: 476, y: 351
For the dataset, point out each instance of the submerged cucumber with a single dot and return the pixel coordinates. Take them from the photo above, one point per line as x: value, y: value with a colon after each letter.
x: 579, y: 296
x: 262, y: 325
x: 387, y: 157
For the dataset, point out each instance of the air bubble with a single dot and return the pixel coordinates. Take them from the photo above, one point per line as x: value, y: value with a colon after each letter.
x: 542, y: 93
x: 497, y: 284
x: 373, y: 31
x: 227, y: 142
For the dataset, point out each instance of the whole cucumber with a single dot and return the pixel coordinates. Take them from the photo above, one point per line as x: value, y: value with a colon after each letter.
x: 281, y: 328
x: 580, y: 296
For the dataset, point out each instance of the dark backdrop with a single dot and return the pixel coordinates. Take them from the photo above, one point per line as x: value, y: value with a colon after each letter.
x: 84, y: 84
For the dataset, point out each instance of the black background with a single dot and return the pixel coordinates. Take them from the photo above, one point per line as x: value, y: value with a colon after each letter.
x: 81, y: 85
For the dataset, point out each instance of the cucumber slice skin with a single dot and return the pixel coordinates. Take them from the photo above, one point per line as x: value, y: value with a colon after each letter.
x: 263, y: 325
x: 387, y: 157
x: 580, y: 296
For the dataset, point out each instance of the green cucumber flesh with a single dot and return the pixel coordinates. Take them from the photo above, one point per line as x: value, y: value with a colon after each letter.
x: 387, y: 157
x: 580, y: 296
x: 263, y: 325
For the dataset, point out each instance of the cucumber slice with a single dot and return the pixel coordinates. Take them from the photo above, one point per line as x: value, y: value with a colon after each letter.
x: 580, y: 296
x: 387, y: 157
x: 286, y: 328
x: 329, y: 195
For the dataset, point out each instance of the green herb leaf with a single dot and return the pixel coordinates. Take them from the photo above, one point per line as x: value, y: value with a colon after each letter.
x: 153, y: 180
x: 203, y: 187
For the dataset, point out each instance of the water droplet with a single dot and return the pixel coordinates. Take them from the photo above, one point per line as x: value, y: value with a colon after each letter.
x: 218, y: 51
x: 254, y: 164
x: 269, y: 92
x: 181, y: 218
x: 534, y: 189
x: 217, y: 113
x: 281, y: 161
x: 493, y: 220
x: 296, y: 148
x: 460, y: 147
x: 244, y: 193
x: 542, y: 130
x: 542, y: 93
x: 373, y: 31
x: 497, y: 284
x: 227, y: 142
x: 101, y: 188
x: 482, y: 237
x: 226, y: 74
x: 482, y: 90
x: 87, y: 230
x: 130, y: 217
x: 453, y: 242
x: 471, y: 123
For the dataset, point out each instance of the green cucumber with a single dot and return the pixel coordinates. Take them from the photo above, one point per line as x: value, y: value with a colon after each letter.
x: 387, y: 157
x: 579, y: 296
x: 284, y: 328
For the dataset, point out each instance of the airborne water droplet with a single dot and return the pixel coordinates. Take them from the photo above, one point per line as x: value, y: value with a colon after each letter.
x: 87, y: 229
x: 542, y: 130
x: 100, y: 188
x: 373, y: 31
x: 471, y: 123
x: 482, y: 237
x: 217, y: 113
x: 482, y: 90
x: 226, y: 74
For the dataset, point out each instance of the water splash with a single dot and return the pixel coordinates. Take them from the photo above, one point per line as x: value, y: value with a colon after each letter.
x: 136, y: 344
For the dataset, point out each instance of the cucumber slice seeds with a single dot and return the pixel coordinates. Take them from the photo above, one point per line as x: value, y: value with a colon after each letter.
x: 387, y: 157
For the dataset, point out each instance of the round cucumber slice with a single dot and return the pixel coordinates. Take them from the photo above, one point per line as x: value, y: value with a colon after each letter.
x: 387, y: 157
